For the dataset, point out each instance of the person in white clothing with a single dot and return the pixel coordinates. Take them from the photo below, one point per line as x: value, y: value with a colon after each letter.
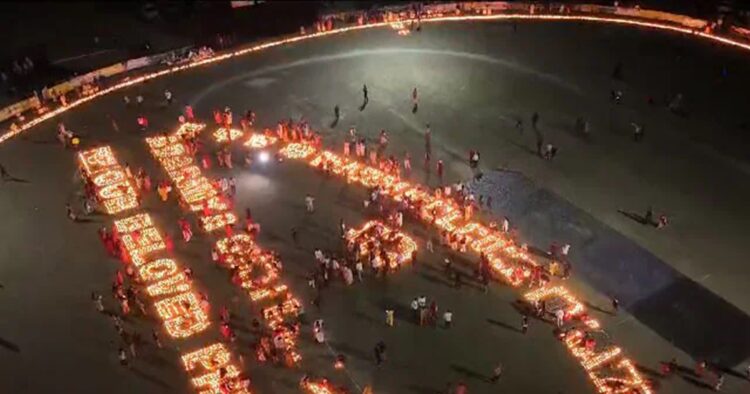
x: 448, y: 318
x: 359, y: 267
x: 310, y: 203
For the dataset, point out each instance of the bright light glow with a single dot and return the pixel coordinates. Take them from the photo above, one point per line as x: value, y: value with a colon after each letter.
x: 207, y: 363
x: 223, y: 135
x: 196, y: 191
x: 180, y: 312
x: 189, y: 130
x: 509, y: 262
x: 318, y: 386
x: 574, y: 18
x: 259, y: 141
x: 114, y: 190
x: 258, y: 273
x: 399, y: 247
x: 264, y: 157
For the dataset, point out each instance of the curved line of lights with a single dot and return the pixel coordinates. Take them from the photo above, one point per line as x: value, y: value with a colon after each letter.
x: 545, y: 17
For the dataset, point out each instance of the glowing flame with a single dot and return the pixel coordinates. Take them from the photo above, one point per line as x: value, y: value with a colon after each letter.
x: 113, y: 189
x: 260, y: 141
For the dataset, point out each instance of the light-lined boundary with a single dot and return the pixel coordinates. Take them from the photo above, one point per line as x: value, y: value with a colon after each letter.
x: 289, y: 40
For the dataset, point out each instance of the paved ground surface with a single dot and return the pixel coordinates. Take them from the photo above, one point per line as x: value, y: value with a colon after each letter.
x: 474, y: 81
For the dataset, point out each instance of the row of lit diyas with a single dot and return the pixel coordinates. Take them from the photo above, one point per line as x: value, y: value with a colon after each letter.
x: 375, y: 232
x: 189, y: 129
x: 318, y: 386
x: 259, y: 276
x: 576, y: 18
x: 113, y: 188
x: 259, y: 141
x: 196, y: 191
x: 177, y: 305
x: 224, y: 135
x: 513, y: 264
x: 608, y: 369
x: 239, y: 252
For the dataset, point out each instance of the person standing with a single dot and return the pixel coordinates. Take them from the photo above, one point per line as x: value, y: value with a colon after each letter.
x: 380, y: 352
x: 427, y: 142
x: 447, y: 318
x: 155, y: 337
x: 336, y: 112
x: 389, y: 318
x: 415, y: 309
x: 189, y: 113
x: 615, y: 304
x: 364, y: 93
x: 97, y: 298
x: 310, y: 203
x: 497, y: 373
x: 524, y: 324
x: 414, y: 100
x: 123, y: 357
x: 71, y: 215
x: 168, y: 96
x: 638, y: 132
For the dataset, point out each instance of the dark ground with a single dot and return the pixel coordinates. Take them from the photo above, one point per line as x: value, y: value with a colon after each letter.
x: 474, y: 80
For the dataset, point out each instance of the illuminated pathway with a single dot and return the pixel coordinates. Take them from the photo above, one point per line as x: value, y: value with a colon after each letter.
x: 174, y: 298
x: 257, y: 272
x: 608, y: 369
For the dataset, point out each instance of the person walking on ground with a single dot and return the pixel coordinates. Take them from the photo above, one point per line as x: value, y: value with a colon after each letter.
x: 427, y: 142
x: 359, y: 267
x: 123, y: 357
x: 415, y: 309
x: 447, y: 318
x: 638, y: 132
x: 157, y: 340
x: 414, y: 100
x: 524, y: 324
x: 97, y: 298
x: 4, y: 175
x: 168, y: 96
x: 497, y: 373
x: 534, y: 120
x: 389, y: 317
x: 379, y: 352
x: 71, y: 214
x: 615, y: 305
x: 310, y: 203
x: 336, y: 112
x: 364, y: 93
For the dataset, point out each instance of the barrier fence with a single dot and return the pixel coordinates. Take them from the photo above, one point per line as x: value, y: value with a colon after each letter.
x: 347, y: 21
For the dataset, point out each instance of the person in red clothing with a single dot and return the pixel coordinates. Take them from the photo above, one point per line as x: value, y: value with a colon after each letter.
x: 143, y: 122
x: 169, y: 244
x: 218, y: 118
x: 440, y: 169
x: 189, y: 112
x: 226, y: 331
x: 187, y: 232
